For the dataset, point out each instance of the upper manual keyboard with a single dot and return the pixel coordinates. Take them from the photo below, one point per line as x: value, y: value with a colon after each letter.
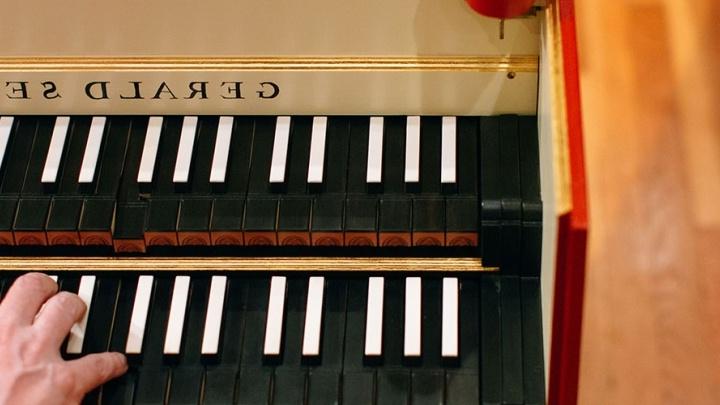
x: 135, y: 182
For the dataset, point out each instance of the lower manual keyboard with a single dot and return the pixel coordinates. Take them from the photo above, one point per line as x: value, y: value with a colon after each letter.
x: 250, y: 338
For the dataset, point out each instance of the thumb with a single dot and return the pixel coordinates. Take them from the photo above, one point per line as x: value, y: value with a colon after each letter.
x: 95, y: 369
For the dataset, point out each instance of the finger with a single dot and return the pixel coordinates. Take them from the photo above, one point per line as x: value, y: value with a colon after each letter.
x: 96, y: 369
x: 58, y: 315
x: 25, y: 297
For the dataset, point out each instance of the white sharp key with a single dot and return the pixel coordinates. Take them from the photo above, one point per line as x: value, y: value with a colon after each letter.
x: 276, y: 308
x: 313, y: 317
x: 92, y: 150
x: 176, y: 319
x: 450, y: 317
x: 280, y: 150
x: 185, y: 150
x: 317, y: 150
x: 374, y: 321
x: 138, y: 319
x: 213, y: 317
x: 77, y: 333
x: 222, y: 150
x: 6, y: 124
x: 413, y: 316
x: 448, y: 155
x: 150, y: 149
x: 57, y: 144
x: 375, y: 150
x: 412, y: 150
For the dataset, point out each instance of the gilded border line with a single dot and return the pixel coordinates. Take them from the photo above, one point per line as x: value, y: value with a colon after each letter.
x: 287, y: 264
x: 515, y: 63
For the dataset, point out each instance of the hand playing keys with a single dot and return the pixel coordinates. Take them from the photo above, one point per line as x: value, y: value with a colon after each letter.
x: 34, y: 321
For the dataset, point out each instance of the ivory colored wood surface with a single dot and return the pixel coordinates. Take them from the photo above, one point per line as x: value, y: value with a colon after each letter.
x: 650, y: 77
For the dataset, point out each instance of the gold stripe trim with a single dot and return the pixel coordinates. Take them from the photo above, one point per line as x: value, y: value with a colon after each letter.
x: 308, y: 264
x: 519, y: 63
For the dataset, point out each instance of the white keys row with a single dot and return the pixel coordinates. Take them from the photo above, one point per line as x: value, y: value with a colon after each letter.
x: 413, y: 317
x: 222, y: 149
x: 275, y: 315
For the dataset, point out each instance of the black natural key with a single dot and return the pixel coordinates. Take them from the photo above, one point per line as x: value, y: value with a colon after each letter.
x: 462, y: 208
x: 222, y: 372
x: 294, y: 221
x: 428, y: 207
x: 96, y: 221
x: 187, y: 375
x: 511, y: 195
x: 100, y: 323
x: 253, y: 386
x: 532, y: 204
x: 259, y: 225
x: 512, y: 341
x: 226, y: 221
x: 361, y: 221
x: 360, y: 208
x: 532, y: 349
x: 161, y: 222
x: 395, y: 208
x: 428, y: 380
x: 12, y: 171
x: 395, y: 221
x: 490, y: 179
x: 153, y: 372
x: 468, y: 151
x: 393, y: 377
x: 128, y: 234
x: 462, y: 377
x: 63, y: 220
x: 34, y: 203
x: 358, y: 380
x: 428, y: 221
x: 393, y: 176
x: 193, y: 223
x: 289, y: 376
x: 294, y: 208
x: 121, y: 390
x: 329, y: 205
x: 228, y: 208
x: 491, y: 349
x: 325, y: 371
x: 129, y: 228
x: 69, y: 282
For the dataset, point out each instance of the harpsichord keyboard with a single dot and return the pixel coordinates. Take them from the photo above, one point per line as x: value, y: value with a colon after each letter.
x: 429, y: 186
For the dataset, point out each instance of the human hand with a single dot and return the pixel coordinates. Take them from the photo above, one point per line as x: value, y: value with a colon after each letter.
x: 31, y: 368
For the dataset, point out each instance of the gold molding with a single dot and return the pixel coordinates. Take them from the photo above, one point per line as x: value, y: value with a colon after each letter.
x: 285, y: 264
x: 513, y: 63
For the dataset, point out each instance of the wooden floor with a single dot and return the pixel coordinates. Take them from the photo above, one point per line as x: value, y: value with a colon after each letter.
x: 650, y: 77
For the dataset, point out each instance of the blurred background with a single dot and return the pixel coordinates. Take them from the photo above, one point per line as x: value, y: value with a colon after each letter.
x: 650, y: 82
